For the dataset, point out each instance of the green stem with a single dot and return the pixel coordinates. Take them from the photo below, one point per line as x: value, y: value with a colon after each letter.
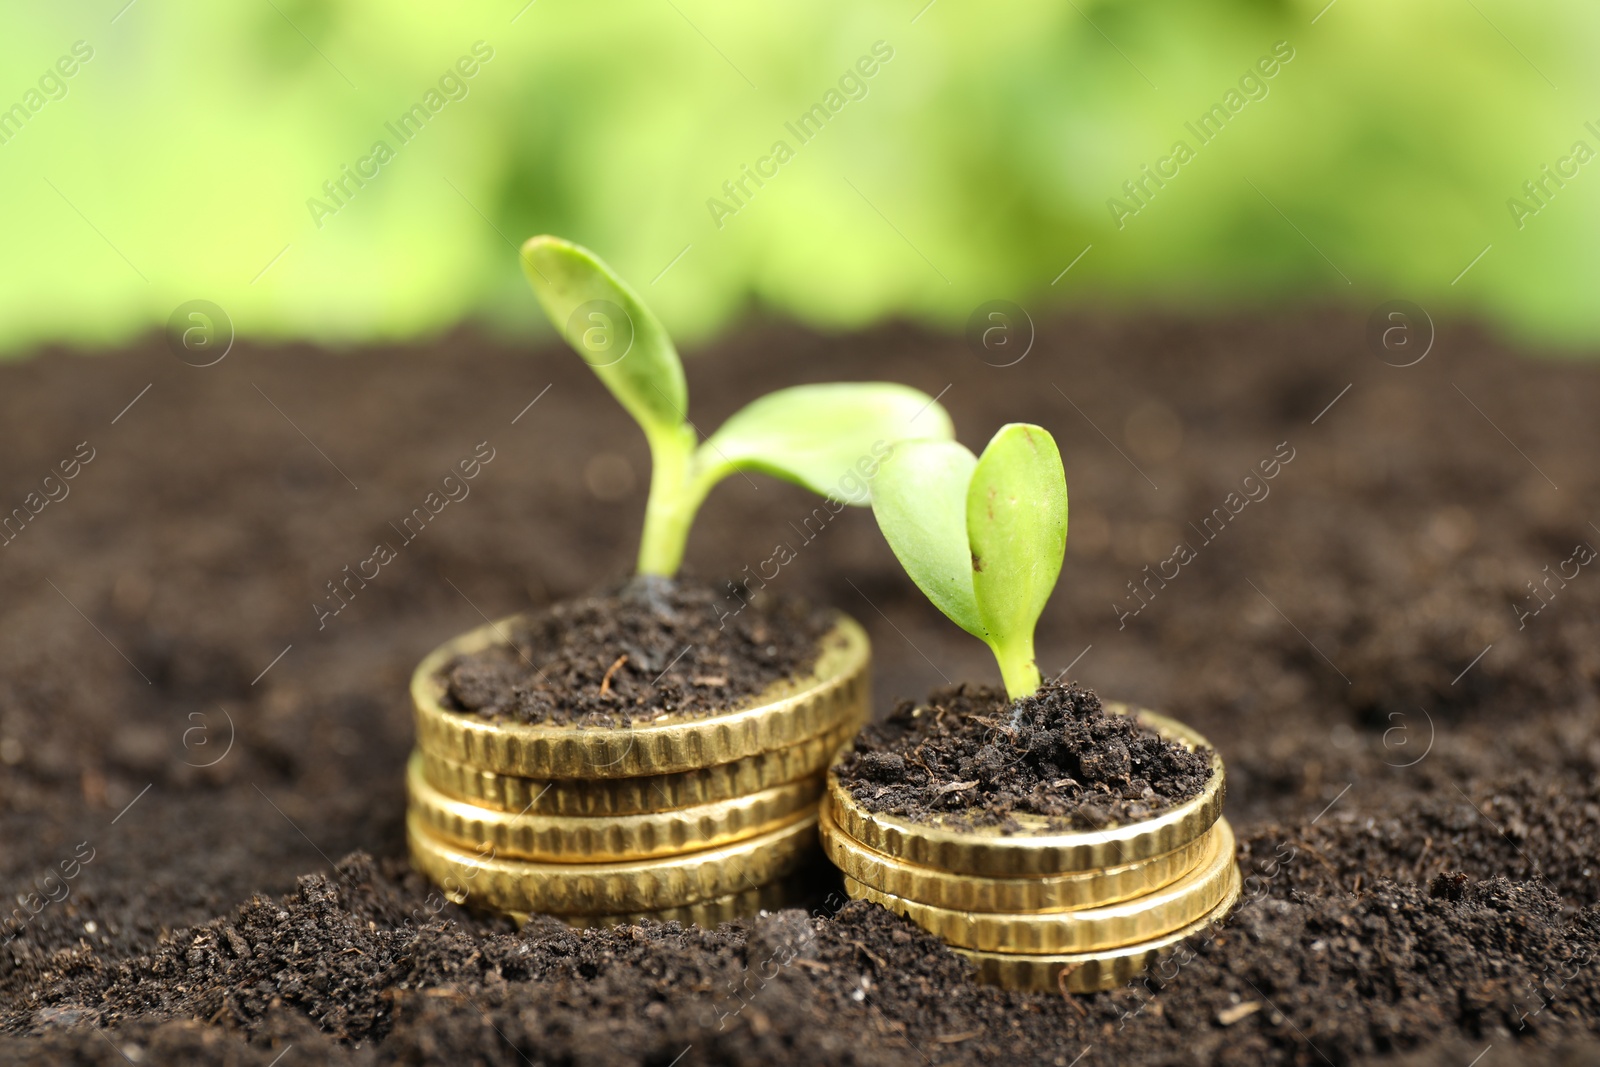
x: 1018, y: 669
x: 673, y: 501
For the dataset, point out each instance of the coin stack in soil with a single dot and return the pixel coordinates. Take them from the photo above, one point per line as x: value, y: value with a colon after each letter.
x: 697, y: 819
x: 1036, y: 908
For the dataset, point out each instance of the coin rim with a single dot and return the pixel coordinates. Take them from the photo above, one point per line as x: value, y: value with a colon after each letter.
x: 1126, y: 922
x: 834, y: 692
x: 1041, y: 893
x: 986, y: 851
x: 596, y: 797
x: 606, y: 838
x: 1092, y: 972
x: 510, y: 885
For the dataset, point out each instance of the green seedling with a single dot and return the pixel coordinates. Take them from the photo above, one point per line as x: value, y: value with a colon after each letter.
x: 816, y: 436
x: 982, y: 536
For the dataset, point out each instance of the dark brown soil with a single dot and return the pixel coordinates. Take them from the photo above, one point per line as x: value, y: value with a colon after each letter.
x: 1359, y: 644
x: 649, y: 648
x: 970, y: 756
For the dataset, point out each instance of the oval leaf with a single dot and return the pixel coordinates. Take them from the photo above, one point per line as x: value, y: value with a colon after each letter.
x: 828, y: 438
x: 1016, y: 514
x: 919, y: 497
x: 612, y: 330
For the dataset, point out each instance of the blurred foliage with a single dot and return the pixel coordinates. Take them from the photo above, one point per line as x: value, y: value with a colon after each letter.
x: 178, y: 161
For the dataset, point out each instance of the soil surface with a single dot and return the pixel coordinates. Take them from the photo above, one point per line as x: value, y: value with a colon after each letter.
x: 652, y: 647
x: 969, y: 756
x: 1382, y: 614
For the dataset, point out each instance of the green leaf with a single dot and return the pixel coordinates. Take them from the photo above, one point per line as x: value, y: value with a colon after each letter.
x: 919, y: 497
x: 1017, y: 529
x: 610, y: 327
x: 828, y: 438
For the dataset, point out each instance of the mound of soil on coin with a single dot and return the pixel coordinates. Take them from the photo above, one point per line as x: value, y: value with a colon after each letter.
x: 969, y: 755
x: 1394, y: 643
x: 651, y: 647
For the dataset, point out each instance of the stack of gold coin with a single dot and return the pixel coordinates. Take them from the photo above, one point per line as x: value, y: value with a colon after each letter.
x: 698, y: 819
x: 1036, y: 908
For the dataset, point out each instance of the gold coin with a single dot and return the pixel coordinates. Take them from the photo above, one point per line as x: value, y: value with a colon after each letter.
x: 1038, y: 893
x: 606, y: 838
x: 634, y: 796
x: 1092, y: 972
x: 710, y: 913
x: 1127, y: 922
x: 831, y: 696
x: 480, y: 878
x: 1036, y: 848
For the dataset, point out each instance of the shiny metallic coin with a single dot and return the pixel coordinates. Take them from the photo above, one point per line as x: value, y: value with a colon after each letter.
x: 1127, y: 922
x: 1036, y: 893
x: 1094, y: 972
x: 1033, y: 846
x: 831, y: 697
x: 634, y: 796
x: 481, y: 878
x: 606, y: 838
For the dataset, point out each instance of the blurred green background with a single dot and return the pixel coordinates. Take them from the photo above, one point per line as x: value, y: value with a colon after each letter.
x: 181, y: 157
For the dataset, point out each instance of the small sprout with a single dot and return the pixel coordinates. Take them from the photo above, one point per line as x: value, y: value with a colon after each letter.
x: 982, y: 536
x: 816, y: 436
